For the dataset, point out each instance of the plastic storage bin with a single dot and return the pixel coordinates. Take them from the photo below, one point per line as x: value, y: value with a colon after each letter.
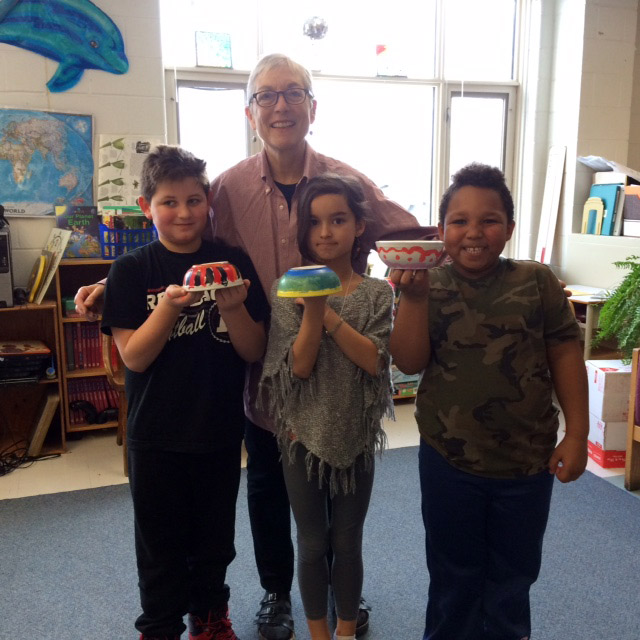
x: 115, y: 242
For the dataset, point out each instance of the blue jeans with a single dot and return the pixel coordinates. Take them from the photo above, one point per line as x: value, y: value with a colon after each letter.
x: 484, y: 549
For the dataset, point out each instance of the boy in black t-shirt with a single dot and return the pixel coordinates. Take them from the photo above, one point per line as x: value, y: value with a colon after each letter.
x: 185, y: 355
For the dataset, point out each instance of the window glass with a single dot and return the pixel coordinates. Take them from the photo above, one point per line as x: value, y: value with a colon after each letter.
x: 180, y: 19
x: 212, y: 125
x: 477, y: 130
x: 361, y: 37
x: 479, y: 39
x: 384, y: 131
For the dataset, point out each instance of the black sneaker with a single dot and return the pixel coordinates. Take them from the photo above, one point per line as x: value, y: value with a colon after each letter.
x: 274, y: 617
x: 143, y: 637
x: 362, y: 621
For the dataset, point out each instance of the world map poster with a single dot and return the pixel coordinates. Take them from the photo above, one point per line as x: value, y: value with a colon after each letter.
x: 46, y: 160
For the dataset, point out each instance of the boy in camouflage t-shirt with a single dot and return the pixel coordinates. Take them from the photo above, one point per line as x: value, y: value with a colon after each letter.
x: 494, y: 338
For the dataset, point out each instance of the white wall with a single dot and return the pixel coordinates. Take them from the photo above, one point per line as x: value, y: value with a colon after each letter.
x: 634, y: 129
x: 132, y: 103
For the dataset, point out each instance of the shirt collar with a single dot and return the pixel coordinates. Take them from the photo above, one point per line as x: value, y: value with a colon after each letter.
x: 309, y: 170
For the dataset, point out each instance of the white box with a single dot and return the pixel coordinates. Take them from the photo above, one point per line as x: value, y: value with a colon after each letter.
x: 607, y: 442
x: 609, y: 388
x: 631, y: 228
x: 609, y: 436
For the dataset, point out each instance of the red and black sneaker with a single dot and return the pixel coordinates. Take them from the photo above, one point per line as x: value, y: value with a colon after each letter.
x: 216, y: 626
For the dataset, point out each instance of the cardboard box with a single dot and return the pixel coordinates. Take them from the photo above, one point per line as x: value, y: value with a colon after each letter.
x: 607, y: 435
x: 606, y: 459
x: 609, y: 388
x: 607, y: 442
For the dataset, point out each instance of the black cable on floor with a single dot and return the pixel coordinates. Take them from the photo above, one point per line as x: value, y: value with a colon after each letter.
x: 15, y: 454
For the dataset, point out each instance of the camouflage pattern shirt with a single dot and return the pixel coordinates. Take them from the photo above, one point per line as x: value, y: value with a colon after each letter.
x: 484, y: 401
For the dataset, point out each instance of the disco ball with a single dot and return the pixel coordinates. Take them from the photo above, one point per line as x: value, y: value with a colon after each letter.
x: 315, y: 28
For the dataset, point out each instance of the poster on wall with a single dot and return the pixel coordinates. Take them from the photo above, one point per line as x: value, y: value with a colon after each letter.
x: 45, y: 160
x: 120, y: 161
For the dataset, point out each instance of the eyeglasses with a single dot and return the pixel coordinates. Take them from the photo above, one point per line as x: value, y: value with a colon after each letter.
x: 295, y: 95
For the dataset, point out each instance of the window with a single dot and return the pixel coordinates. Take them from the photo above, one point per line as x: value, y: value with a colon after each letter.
x: 479, y: 39
x: 469, y: 142
x: 385, y: 131
x: 212, y: 124
x: 407, y: 92
x: 355, y: 32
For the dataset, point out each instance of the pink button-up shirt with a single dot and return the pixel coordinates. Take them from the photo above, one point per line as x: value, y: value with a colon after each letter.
x: 249, y: 211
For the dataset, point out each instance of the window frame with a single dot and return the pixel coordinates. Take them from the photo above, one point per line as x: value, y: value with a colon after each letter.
x: 509, y: 91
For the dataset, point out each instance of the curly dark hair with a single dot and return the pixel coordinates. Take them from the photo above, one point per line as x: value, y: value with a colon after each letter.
x: 482, y: 176
x: 329, y: 183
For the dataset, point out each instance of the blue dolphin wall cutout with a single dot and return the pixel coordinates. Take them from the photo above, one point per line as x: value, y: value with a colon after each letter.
x: 75, y: 33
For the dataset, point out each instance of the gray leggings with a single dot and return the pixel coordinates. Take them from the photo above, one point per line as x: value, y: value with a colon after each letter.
x: 316, y: 530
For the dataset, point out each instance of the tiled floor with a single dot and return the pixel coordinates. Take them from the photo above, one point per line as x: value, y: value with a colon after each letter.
x: 96, y: 461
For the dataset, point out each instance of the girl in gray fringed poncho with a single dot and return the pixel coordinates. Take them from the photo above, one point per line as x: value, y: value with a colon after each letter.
x: 326, y: 379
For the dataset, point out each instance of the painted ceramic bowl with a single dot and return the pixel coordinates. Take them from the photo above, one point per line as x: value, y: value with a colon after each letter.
x: 211, y: 275
x: 410, y: 254
x: 304, y: 282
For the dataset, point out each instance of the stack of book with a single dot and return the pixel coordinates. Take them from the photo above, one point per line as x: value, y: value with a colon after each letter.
x: 97, y: 391
x: 613, y: 206
x: 603, y: 210
x: 83, y: 343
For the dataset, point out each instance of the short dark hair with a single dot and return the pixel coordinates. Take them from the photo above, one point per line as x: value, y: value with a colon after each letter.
x: 482, y: 176
x: 328, y: 183
x: 171, y: 163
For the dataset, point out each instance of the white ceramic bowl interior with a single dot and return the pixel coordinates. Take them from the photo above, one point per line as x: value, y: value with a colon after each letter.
x: 410, y: 254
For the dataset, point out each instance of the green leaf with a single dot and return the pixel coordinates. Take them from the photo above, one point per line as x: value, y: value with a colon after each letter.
x: 620, y: 314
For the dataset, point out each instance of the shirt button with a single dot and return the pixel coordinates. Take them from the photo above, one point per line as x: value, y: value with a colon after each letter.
x: 283, y: 241
x: 281, y: 206
x: 267, y: 190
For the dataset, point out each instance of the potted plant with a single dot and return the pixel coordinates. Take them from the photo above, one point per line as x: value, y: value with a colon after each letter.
x: 620, y: 314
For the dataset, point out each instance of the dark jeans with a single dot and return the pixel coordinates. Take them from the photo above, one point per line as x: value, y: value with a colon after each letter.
x: 184, y: 507
x: 269, y: 511
x: 484, y: 548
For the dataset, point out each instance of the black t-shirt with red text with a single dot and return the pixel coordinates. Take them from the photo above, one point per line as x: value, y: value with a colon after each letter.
x: 190, y: 398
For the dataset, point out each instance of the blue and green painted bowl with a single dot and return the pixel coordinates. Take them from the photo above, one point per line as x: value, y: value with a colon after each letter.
x: 305, y: 282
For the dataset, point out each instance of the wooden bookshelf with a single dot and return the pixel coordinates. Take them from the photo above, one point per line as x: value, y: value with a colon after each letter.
x: 632, y: 462
x: 70, y: 276
x: 21, y: 404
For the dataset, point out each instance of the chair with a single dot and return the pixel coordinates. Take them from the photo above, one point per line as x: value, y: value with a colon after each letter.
x: 115, y: 375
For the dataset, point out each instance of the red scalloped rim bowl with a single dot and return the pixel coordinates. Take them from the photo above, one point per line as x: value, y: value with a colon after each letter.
x: 410, y: 254
x: 211, y: 276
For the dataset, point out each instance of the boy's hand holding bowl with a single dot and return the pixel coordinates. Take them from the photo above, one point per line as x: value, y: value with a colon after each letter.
x: 409, y: 261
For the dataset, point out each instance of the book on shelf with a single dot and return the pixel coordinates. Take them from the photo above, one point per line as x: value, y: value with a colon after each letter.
x: 619, y: 217
x: 84, y: 224
x: 46, y: 264
x: 77, y: 346
x: 592, y: 216
x: 69, y: 346
x: 47, y: 411
x: 608, y: 193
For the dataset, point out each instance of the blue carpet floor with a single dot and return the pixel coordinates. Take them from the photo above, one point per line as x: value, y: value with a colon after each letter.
x: 67, y: 567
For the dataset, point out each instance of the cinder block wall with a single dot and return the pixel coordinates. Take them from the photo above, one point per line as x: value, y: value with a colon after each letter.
x: 132, y: 103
